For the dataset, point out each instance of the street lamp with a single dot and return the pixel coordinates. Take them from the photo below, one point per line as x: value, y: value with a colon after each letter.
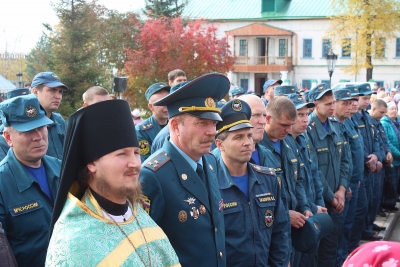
x: 331, y: 62
x: 19, y: 76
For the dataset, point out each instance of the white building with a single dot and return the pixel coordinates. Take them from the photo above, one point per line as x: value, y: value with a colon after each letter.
x: 285, y: 39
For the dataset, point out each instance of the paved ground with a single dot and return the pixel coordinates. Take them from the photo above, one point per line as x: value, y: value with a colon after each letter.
x: 392, y: 225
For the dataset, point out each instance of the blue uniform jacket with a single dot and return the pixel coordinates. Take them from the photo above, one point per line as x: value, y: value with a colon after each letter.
x: 146, y: 132
x: 3, y: 148
x: 56, y: 133
x: 383, y: 143
x: 392, y: 139
x: 333, y: 163
x: 25, y: 210
x: 256, y: 231
x: 368, y: 133
x: 311, y: 183
x: 179, y: 202
x: 293, y: 195
x: 159, y: 139
x: 357, y: 149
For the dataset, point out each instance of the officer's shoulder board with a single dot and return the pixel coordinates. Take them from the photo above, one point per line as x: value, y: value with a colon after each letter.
x: 156, y: 162
x: 311, y: 126
x: 146, y: 126
x: 262, y: 169
x: 334, y: 119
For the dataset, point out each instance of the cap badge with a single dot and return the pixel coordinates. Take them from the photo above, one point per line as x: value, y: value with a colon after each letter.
x: 368, y: 87
x: 55, y: 76
x: 321, y: 87
x: 348, y: 93
x: 31, y: 111
x: 292, y: 89
x: 316, y: 226
x: 300, y: 98
x: 236, y: 105
x: 210, y: 102
x: 355, y: 89
x: 23, y: 93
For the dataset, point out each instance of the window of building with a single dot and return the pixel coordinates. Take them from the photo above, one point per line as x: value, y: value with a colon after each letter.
x: 397, y: 47
x: 306, y: 84
x: 307, y: 48
x: 326, y: 47
x: 242, y: 48
x: 244, y: 83
x: 346, y: 48
x: 396, y: 84
x: 380, y: 83
x: 282, y: 47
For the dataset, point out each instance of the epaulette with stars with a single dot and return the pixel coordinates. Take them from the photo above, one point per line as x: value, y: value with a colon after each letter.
x: 157, y: 161
x: 146, y: 126
x: 311, y: 126
x: 262, y: 169
x: 333, y: 119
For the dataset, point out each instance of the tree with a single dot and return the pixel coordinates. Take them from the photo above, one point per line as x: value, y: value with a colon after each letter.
x: 165, y: 44
x: 166, y: 8
x: 362, y: 28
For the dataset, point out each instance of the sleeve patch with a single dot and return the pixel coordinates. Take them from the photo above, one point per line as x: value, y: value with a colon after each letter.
x: 144, y: 147
x: 144, y: 201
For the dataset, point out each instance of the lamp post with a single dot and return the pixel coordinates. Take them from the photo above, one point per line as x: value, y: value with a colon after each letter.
x: 19, y: 76
x: 331, y: 62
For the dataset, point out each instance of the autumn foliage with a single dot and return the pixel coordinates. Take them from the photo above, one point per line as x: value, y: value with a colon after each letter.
x: 171, y: 43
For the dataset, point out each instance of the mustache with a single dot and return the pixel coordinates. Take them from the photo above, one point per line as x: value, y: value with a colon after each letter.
x: 132, y: 171
x: 207, y: 140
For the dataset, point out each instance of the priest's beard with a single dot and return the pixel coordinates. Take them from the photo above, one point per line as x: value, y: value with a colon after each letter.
x: 106, y: 190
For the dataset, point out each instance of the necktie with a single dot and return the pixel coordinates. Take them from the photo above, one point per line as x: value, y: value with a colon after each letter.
x: 200, y: 172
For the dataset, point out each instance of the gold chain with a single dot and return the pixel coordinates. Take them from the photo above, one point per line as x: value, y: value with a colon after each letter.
x: 130, y: 241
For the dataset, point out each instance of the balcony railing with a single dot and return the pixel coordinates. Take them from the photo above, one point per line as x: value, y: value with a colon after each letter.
x: 263, y: 61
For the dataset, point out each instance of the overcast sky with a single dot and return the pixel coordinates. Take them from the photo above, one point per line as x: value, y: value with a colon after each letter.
x: 21, y: 20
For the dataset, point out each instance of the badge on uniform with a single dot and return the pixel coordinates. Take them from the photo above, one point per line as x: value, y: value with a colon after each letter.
x: 194, y: 213
x: 279, y: 182
x: 144, y: 147
x: 295, y: 173
x: 269, y: 218
x: 202, y: 209
x: 221, y: 205
x: 145, y: 203
x: 182, y: 216
x: 190, y: 200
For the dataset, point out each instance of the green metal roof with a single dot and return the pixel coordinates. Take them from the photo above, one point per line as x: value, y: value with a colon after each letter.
x: 252, y: 9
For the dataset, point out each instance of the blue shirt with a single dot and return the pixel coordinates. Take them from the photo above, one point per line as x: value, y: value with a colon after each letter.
x: 243, y: 183
x: 191, y: 162
x: 277, y: 145
x: 256, y: 158
x: 39, y: 174
x: 326, y: 126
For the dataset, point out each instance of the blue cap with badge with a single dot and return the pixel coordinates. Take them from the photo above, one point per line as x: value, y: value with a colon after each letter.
x: 343, y: 94
x: 197, y: 97
x: 299, y: 101
x: 269, y: 83
x: 318, y: 91
x: 23, y: 113
x: 237, y: 91
x: 365, y: 89
x: 316, y: 227
x: 235, y: 115
x: 353, y: 91
x: 284, y: 90
x: 49, y: 79
x: 154, y: 88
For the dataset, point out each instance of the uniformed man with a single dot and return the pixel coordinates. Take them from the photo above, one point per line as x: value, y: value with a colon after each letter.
x: 281, y: 115
x: 345, y: 108
x: 179, y: 182
x: 325, y: 135
x: 49, y: 89
x: 378, y: 111
x: 149, y: 128
x: 3, y: 144
x: 252, y: 202
x: 28, y: 180
x: 371, y: 149
x: 237, y: 92
x: 311, y: 181
x: 268, y: 90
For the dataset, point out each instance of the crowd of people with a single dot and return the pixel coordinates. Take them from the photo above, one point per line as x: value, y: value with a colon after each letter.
x: 286, y: 179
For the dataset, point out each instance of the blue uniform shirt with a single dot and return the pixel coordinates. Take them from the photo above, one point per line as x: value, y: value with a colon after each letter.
x: 256, y: 230
x: 25, y: 210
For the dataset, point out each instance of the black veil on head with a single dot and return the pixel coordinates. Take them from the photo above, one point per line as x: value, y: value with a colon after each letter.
x: 91, y: 133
